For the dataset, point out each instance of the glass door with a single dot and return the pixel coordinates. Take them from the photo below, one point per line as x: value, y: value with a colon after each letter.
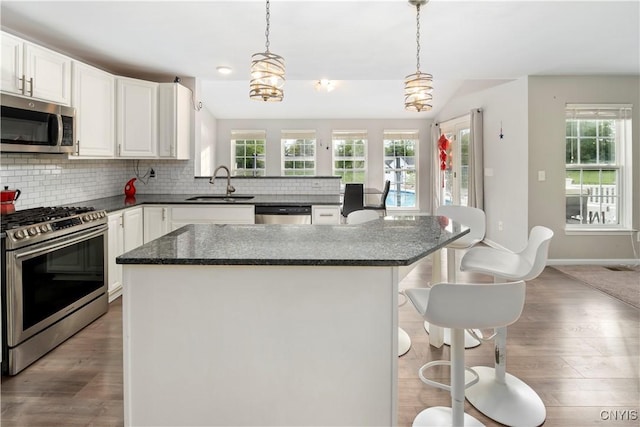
x: 455, y: 178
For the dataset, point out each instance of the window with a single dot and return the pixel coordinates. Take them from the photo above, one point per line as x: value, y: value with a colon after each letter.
x: 248, y: 153
x: 349, y: 155
x: 298, y: 152
x: 598, y: 165
x: 400, y: 155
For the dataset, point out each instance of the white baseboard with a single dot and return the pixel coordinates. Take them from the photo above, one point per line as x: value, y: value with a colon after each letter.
x: 115, y: 293
x: 573, y: 261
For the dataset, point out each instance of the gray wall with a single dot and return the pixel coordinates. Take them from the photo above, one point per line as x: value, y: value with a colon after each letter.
x: 324, y: 128
x: 547, y: 99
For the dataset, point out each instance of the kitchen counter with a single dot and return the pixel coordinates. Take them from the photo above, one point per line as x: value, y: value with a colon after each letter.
x: 394, y: 241
x: 270, y: 325
x: 115, y: 203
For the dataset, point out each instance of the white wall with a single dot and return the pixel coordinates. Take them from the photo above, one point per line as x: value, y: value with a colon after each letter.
x: 547, y: 99
x: 324, y: 128
x: 505, y: 197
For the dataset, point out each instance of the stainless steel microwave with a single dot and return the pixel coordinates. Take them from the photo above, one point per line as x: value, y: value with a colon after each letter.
x: 29, y: 126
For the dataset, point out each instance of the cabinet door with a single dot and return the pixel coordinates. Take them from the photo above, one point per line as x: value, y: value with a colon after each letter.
x: 93, y: 97
x: 156, y: 223
x: 48, y: 74
x: 115, y: 247
x: 174, y: 125
x: 12, y: 69
x: 136, y: 121
x: 133, y: 228
x: 219, y: 214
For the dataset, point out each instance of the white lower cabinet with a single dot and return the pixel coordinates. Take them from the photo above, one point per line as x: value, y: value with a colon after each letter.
x: 222, y: 214
x: 125, y: 233
x: 156, y: 222
x: 325, y: 215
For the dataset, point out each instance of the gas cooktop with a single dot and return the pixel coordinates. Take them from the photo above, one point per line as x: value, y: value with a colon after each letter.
x: 39, y: 215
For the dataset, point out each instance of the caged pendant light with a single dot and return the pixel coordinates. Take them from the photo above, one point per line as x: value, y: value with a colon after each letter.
x: 267, y: 73
x: 418, y: 86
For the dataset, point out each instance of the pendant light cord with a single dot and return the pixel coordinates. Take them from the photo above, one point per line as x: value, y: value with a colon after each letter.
x: 266, y: 33
x: 417, y: 37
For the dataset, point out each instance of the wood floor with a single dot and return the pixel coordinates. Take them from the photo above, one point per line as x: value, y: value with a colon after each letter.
x: 577, y: 347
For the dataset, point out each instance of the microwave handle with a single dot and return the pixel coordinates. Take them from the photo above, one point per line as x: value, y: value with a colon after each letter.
x: 60, y: 130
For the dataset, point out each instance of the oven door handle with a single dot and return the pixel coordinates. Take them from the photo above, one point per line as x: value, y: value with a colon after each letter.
x: 60, y: 245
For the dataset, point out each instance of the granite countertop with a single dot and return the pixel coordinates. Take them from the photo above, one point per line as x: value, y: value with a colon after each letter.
x: 115, y: 203
x: 392, y: 241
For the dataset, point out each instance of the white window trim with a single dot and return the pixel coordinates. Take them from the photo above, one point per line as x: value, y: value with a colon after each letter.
x: 298, y: 134
x: 626, y: 177
x: 365, y: 137
x: 413, y: 134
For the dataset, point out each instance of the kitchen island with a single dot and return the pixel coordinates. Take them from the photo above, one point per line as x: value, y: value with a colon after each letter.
x: 269, y: 324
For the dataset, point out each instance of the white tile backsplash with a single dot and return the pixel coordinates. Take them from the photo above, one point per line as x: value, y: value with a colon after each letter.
x: 51, y: 180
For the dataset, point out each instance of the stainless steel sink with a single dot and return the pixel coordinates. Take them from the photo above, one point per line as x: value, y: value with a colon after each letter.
x: 220, y: 197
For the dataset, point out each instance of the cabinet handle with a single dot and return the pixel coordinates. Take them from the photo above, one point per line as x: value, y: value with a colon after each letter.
x: 119, y: 149
x: 326, y: 214
x: 164, y: 214
x: 23, y: 79
x: 78, y: 148
x: 31, y: 86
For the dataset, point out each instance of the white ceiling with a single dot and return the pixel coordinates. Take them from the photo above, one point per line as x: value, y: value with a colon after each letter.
x: 367, y: 47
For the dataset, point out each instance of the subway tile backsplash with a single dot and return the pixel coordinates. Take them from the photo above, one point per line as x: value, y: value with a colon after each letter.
x: 51, y: 180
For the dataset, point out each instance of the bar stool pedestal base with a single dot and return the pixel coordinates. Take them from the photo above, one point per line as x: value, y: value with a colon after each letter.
x: 513, y: 403
x: 440, y: 416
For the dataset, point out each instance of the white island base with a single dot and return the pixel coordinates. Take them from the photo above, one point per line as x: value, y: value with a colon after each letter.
x: 260, y: 345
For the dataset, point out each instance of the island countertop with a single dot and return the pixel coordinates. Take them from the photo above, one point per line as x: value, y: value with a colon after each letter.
x: 389, y: 241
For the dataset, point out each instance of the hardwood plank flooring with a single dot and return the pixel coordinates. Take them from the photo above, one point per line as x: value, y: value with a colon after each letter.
x: 577, y: 347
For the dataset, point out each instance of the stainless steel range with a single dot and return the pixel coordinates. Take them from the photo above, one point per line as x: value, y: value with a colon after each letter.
x: 54, y: 279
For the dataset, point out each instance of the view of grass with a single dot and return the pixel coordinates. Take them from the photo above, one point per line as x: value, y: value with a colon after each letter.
x: 592, y: 177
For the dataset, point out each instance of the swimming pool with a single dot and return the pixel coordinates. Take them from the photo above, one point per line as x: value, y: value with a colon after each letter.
x: 405, y: 199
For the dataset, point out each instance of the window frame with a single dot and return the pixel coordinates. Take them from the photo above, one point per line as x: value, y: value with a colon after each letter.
x: 246, y: 136
x: 620, y: 165
x: 307, y: 138
x: 397, y: 136
x: 337, y: 137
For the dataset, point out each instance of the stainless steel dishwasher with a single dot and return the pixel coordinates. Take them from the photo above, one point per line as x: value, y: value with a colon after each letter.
x: 283, y: 214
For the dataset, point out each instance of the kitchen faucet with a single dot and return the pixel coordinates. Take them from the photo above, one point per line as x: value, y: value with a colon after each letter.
x: 230, y: 188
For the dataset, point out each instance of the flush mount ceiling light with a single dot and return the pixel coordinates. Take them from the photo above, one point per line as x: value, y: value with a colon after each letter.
x: 325, y: 84
x: 223, y: 69
x: 418, y: 86
x: 267, y: 73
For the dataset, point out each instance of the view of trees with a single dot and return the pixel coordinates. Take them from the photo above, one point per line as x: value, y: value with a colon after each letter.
x: 590, y: 142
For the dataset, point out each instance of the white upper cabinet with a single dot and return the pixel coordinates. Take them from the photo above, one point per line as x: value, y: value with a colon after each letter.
x: 93, y: 97
x: 136, y: 118
x: 34, y: 71
x: 174, y: 114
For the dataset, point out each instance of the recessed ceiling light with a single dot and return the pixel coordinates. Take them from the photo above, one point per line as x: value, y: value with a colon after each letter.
x: 223, y: 69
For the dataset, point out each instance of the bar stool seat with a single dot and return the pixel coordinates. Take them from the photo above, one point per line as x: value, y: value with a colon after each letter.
x: 499, y: 395
x: 459, y: 307
x: 475, y: 219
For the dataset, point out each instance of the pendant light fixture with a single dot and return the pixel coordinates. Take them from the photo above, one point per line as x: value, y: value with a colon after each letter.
x: 418, y: 86
x: 267, y: 73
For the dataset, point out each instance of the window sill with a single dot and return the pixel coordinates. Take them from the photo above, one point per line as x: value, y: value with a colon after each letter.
x: 609, y: 231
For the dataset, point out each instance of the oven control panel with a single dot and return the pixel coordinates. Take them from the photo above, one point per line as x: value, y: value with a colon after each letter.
x: 43, y: 230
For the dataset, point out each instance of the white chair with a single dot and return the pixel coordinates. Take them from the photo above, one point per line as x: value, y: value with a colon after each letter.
x: 475, y: 219
x: 364, y: 215
x: 499, y: 395
x: 460, y: 307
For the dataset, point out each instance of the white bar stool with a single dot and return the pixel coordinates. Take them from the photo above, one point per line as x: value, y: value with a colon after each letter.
x: 459, y: 307
x: 364, y: 215
x: 475, y: 219
x: 500, y: 395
